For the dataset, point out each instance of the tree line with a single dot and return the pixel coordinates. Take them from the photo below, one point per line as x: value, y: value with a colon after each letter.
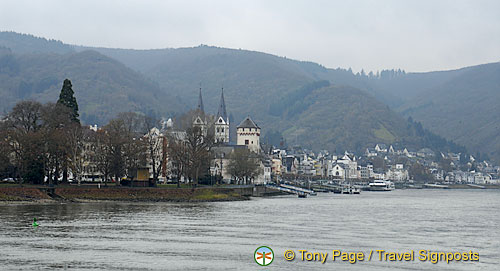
x: 44, y: 142
x: 47, y: 144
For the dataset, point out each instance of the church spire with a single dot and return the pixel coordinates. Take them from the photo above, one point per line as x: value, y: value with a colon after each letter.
x: 222, y: 107
x: 200, y: 102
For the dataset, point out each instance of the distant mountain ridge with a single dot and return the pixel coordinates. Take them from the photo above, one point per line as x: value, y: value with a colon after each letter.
x: 103, y: 86
x: 465, y: 108
x: 254, y: 82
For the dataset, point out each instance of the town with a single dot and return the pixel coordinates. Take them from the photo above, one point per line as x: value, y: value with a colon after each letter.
x: 275, y: 164
x: 196, y: 149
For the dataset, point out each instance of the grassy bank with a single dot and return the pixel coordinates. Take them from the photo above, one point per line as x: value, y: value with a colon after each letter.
x: 149, y: 194
x: 68, y: 193
x: 10, y: 193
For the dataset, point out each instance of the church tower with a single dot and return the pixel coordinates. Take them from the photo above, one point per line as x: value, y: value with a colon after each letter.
x: 222, y: 122
x: 200, y: 118
x: 200, y: 103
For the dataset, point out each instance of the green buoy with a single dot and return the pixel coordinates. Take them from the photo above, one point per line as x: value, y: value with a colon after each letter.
x: 35, y: 224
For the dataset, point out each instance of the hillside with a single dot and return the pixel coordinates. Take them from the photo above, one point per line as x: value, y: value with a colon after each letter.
x: 103, y: 86
x: 341, y: 114
x: 29, y: 44
x: 464, y: 108
x: 242, y: 73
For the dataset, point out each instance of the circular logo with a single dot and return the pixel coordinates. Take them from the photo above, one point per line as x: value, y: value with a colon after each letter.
x: 263, y: 255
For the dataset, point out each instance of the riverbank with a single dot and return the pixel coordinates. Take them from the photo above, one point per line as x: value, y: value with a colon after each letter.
x: 482, y: 186
x: 23, y: 194
x: 85, y: 194
x: 451, y: 186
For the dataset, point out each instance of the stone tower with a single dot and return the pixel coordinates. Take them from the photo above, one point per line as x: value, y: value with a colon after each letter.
x: 248, y: 133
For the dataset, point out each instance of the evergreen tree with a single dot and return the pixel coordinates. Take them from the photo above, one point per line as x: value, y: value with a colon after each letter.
x: 68, y: 99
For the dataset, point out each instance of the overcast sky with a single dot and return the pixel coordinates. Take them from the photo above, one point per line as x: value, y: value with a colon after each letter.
x: 373, y: 35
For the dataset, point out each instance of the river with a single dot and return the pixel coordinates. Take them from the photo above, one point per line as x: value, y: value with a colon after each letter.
x: 224, y: 235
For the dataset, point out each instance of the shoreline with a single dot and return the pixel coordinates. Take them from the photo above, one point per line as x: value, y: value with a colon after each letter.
x: 457, y: 187
x: 77, y: 194
x: 116, y: 194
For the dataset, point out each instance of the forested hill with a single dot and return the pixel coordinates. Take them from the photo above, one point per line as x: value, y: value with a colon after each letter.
x: 464, y: 108
x: 282, y: 95
x: 29, y: 44
x: 344, y: 118
x: 461, y: 105
x: 340, y: 114
x: 103, y: 86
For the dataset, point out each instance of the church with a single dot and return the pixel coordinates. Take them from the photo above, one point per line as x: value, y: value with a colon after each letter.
x: 247, y: 136
x: 247, y: 132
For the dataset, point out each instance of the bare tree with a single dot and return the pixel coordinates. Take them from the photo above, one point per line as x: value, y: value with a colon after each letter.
x: 116, y: 140
x: 22, y: 130
x: 177, y: 155
x: 198, y: 147
x: 189, y: 153
x: 57, y: 124
x: 6, y: 167
x: 101, y: 153
x: 243, y: 165
x: 154, y: 141
x: 131, y: 128
x: 75, y: 137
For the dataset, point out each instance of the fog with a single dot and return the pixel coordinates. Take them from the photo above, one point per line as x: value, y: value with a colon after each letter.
x: 370, y: 35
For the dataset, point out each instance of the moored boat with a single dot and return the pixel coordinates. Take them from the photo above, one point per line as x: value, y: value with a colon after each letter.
x: 381, y: 185
x: 350, y: 190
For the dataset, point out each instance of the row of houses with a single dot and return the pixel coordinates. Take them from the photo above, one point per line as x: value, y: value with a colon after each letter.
x: 382, y: 149
x: 396, y: 166
x: 324, y: 165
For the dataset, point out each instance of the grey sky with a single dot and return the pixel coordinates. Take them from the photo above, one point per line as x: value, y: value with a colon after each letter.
x: 374, y: 35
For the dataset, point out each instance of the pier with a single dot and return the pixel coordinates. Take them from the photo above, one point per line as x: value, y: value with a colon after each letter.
x: 290, y: 189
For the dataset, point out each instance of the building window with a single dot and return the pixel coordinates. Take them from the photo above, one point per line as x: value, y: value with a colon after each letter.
x: 246, y: 141
x: 222, y: 130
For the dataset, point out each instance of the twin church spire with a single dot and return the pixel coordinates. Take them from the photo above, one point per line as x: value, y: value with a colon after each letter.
x: 222, y: 112
x: 221, y: 120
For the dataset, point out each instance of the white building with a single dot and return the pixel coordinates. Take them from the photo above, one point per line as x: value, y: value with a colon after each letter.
x: 248, y: 134
x: 381, y: 148
x: 351, y: 165
x: 338, y: 172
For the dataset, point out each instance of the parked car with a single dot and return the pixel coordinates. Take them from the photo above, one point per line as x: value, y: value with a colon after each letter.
x: 8, y: 180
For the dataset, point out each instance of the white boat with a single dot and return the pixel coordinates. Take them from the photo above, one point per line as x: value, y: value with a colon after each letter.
x: 350, y: 190
x: 381, y: 185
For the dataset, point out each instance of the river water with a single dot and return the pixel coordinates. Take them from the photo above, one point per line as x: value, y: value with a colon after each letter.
x: 224, y: 235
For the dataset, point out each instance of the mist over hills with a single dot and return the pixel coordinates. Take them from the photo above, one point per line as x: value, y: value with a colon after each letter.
x: 103, y: 86
x: 255, y: 83
x: 461, y: 105
x: 352, y: 111
x: 465, y: 108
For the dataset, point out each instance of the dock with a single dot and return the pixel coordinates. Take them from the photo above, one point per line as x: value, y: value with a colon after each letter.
x: 290, y: 189
x: 438, y: 186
